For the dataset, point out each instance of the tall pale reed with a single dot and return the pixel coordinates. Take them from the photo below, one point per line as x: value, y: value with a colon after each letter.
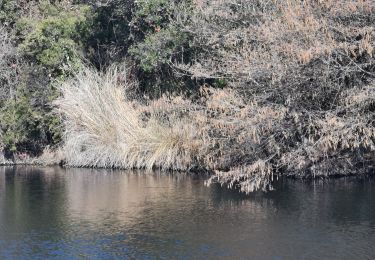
x: 103, y: 129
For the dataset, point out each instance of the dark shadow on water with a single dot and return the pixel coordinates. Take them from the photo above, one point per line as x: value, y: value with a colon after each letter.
x: 70, y: 213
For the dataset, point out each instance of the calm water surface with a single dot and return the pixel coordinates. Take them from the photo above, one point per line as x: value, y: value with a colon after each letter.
x: 98, y: 214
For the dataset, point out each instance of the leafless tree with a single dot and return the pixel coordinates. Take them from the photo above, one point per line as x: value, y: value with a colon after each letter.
x: 309, y: 62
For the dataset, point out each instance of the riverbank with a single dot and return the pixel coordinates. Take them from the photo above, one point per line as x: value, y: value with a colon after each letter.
x: 244, y: 143
x: 47, y: 158
x: 247, y: 90
x: 52, y: 158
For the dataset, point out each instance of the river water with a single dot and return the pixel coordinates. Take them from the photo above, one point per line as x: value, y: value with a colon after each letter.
x: 100, y: 214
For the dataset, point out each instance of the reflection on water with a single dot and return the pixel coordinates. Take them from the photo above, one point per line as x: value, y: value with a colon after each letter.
x: 78, y: 213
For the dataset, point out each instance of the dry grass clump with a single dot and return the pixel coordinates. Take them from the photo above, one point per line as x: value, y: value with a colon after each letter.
x: 103, y: 129
x: 298, y: 100
x: 49, y: 157
x: 245, y: 143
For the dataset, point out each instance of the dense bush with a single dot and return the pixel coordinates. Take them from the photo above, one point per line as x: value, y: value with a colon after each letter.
x: 109, y: 37
x: 9, y: 60
x: 54, y: 40
x: 311, y: 64
x: 302, y: 80
x: 274, y: 87
x: 159, y: 40
x: 43, y: 45
x: 147, y: 33
x: 26, y: 127
x: 156, y: 30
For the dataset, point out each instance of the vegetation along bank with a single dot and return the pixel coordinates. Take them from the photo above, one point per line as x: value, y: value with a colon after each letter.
x: 246, y: 90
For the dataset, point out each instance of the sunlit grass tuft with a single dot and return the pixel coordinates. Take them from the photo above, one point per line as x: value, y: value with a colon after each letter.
x: 103, y: 129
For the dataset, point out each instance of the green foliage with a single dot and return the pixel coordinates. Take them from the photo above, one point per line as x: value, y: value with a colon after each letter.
x: 49, y: 38
x: 159, y: 48
x: 220, y: 83
x: 148, y: 33
x: 9, y: 10
x: 54, y: 37
x: 109, y: 36
x: 158, y: 39
x: 158, y: 42
x: 26, y: 126
x: 55, y: 41
x: 150, y: 16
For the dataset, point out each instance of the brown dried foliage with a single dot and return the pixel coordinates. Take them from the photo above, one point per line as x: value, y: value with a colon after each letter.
x: 305, y: 75
x: 299, y: 98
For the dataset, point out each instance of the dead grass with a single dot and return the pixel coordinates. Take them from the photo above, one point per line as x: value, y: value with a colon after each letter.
x: 49, y: 157
x: 103, y: 129
x: 299, y: 98
x: 246, y: 144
